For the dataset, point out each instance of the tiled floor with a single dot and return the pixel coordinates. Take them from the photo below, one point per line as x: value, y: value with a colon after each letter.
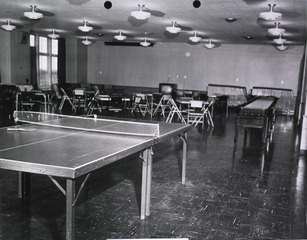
x: 242, y: 191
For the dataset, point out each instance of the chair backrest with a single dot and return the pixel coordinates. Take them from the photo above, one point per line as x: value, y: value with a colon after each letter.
x: 103, y: 97
x: 143, y: 97
x: 137, y: 100
x: 196, y: 104
x: 165, y: 99
x: 79, y: 92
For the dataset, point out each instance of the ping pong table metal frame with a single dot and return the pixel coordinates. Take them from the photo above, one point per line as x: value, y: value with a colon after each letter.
x: 145, y: 153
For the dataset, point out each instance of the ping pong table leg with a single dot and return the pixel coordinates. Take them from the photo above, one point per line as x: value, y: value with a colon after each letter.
x: 184, y: 139
x: 23, y: 184
x: 146, y: 183
x: 70, y: 209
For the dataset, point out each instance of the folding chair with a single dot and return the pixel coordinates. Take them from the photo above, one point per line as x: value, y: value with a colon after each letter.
x: 143, y: 104
x: 174, y: 110
x: 134, y: 108
x: 103, y: 100
x: 65, y: 98
x: 208, y: 106
x: 197, y: 111
x: 163, y: 104
x: 93, y: 104
x: 79, y: 98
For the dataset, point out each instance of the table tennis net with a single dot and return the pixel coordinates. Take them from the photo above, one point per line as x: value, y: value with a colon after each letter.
x: 91, y: 124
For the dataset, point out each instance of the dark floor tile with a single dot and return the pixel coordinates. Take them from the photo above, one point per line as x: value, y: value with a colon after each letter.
x: 233, y: 191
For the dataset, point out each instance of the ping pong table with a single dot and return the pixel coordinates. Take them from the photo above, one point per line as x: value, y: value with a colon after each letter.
x: 70, y: 147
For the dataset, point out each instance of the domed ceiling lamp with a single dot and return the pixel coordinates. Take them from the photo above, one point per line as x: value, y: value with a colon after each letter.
x: 276, y: 31
x: 33, y: 14
x: 195, y: 38
x: 281, y: 47
x: 120, y: 37
x: 85, y: 27
x: 86, y: 42
x: 279, y: 40
x: 145, y: 43
x: 8, y: 26
x: 173, y: 29
x: 210, y: 45
x: 53, y: 35
x: 140, y: 14
x: 271, y: 15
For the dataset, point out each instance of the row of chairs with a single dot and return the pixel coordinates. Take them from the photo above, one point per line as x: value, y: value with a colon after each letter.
x: 196, y: 113
x: 140, y: 104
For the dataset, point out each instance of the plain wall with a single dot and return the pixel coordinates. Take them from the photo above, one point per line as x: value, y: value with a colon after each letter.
x: 14, y: 58
x: 76, y: 61
x: 191, y: 67
x: 194, y: 67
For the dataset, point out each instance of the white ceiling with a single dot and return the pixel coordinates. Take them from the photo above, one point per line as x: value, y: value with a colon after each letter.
x: 208, y: 20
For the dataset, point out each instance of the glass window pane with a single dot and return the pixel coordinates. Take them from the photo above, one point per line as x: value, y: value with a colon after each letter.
x: 48, y: 62
x: 44, y: 80
x: 32, y: 40
x: 54, y: 70
x: 43, y: 45
x: 54, y: 45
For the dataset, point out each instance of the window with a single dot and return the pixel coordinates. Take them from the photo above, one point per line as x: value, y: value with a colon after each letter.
x: 47, y: 62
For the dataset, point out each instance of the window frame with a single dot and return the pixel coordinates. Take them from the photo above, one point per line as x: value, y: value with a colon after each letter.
x: 52, y: 55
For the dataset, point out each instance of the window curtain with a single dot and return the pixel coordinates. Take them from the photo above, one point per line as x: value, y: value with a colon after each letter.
x: 33, y: 68
x: 61, y: 62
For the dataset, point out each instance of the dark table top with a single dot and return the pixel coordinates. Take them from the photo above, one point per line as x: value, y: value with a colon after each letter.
x: 71, y: 153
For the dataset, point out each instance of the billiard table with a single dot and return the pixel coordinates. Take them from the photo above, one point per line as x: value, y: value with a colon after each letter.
x: 259, y: 112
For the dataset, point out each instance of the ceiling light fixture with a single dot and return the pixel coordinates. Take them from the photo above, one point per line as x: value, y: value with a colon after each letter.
x: 248, y: 37
x: 145, y: 43
x: 173, y: 28
x: 230, y: 19
x: 281, y: 47
x: 86, y: 41
x: 195, y: 38
x: 279, y: 40
x: 271, y: 15
x: 53, y: 35
x: 33, y: 14
x: 140, y: 14
x: 85, y: 27
x: 276, y: 31
x: 120, y: 37
x: 210, y: 44
x: 8, y: 26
